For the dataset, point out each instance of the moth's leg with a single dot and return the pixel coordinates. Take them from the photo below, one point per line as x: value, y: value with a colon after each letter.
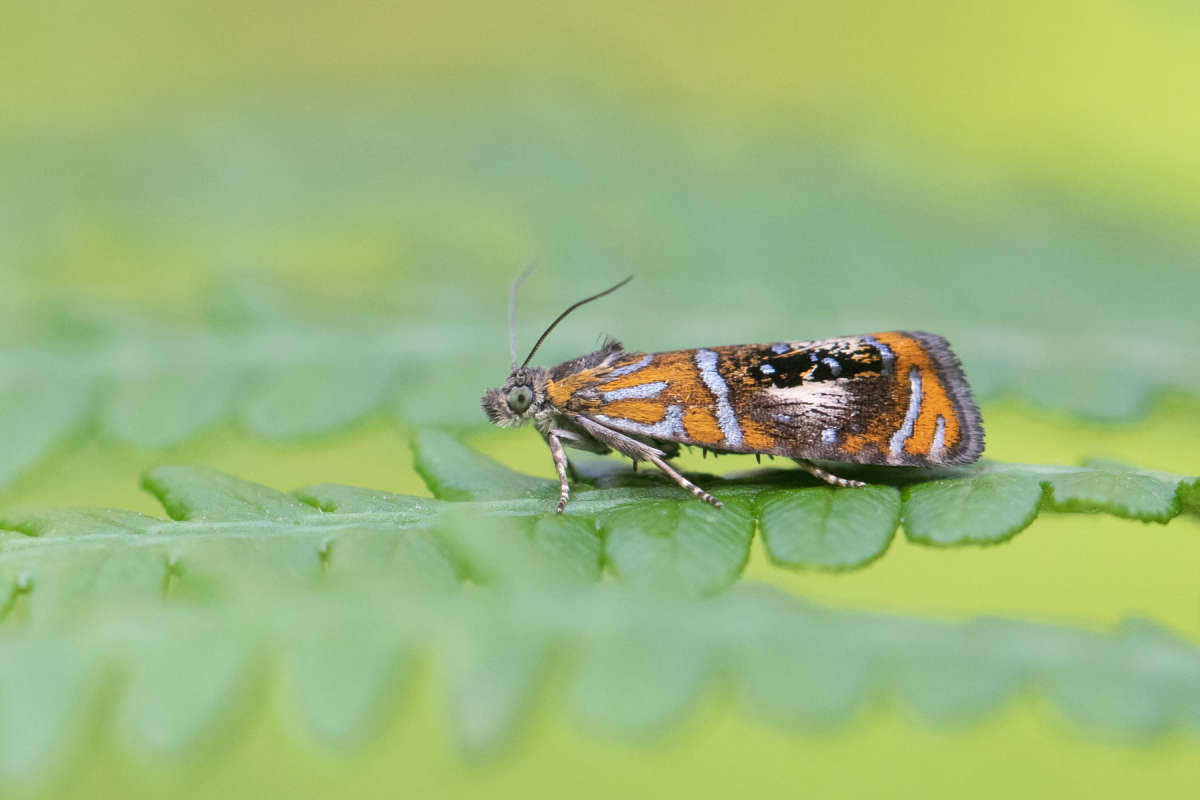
x: 828, y: 477
x: 569, y: 438
x: 644, y: 452
x: 684, y: 482
x: 580, y: 440
x: 560, y: 465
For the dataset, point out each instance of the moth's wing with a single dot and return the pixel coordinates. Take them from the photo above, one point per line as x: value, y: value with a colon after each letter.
x: 895, y: 398
x: 887, y: 398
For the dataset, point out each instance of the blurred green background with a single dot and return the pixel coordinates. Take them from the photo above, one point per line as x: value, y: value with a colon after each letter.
x: 209, y: 210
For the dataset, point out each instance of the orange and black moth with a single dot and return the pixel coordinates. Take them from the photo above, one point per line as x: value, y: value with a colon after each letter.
x: 886, y: 399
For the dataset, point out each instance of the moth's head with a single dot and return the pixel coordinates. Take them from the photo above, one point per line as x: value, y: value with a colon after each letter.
x: 521, y: 397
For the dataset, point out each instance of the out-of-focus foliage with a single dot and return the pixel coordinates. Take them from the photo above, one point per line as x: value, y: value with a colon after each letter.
x: 339, y: 590
x: 179, y: 677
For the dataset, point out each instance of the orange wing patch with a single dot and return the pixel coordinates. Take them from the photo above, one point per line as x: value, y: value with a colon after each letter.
x: 878, y: 433
x: 755, y: 437
x: 643, y: 411
x: 561, y: 392
x: 675, y: 371
x: 667, y: 367
x: 701, y: 426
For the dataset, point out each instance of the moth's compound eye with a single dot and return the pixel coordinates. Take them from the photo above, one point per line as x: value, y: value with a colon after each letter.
x: 519, y: 398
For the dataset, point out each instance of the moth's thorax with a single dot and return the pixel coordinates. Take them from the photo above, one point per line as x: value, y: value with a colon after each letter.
x: 498, y: 404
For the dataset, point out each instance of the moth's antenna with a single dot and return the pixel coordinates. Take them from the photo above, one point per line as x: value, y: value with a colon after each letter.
x: 561, y: 316
x: 512, y: 311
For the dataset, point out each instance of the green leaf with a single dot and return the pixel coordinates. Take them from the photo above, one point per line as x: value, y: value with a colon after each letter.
x: 679, y: 544
x: 233, y: 537
x: 64, y: 578
x: 230, y: 537
x: 78, y: 521
x: 821, y: 527
x: 828, y: 528
x: 633, y: 663
x: 982, y: 509
x: 637, y: 663
x: 51, y: 693
x: 1091, y: 677
x: 1189, y: 496
x: 544, y: 550
x: 493, y: 678
x: 999, y: 500
x: 337, y: 499
x: 455, y: 472
x: 195, y: 493
x: 1101, y: 698
x: 188, y: 686
x: 803, y: 679
x: 1117, y: 489
x: 954, y: 676
x: 420, y: 558
x: 638, y: 684
x: 343, y: 677
x: 366, y: 544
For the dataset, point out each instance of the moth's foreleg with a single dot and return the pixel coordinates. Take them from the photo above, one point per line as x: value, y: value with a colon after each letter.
x: 828, y: 477
x: 684, y: 482
x: 560, y: 466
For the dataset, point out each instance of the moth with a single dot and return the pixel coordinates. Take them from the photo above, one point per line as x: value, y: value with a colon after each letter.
x: 896, y: 398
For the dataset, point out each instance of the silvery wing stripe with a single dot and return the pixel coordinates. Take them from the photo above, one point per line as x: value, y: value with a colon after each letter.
x: 669, y: 427
x: 884, y: 350
x: 706, y: 360
x: 634, y: 367
x: 938, y: 449
x: 643, y: 391
x: 829, y: 436
x: 910, y: 416
x: 834, y: 365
